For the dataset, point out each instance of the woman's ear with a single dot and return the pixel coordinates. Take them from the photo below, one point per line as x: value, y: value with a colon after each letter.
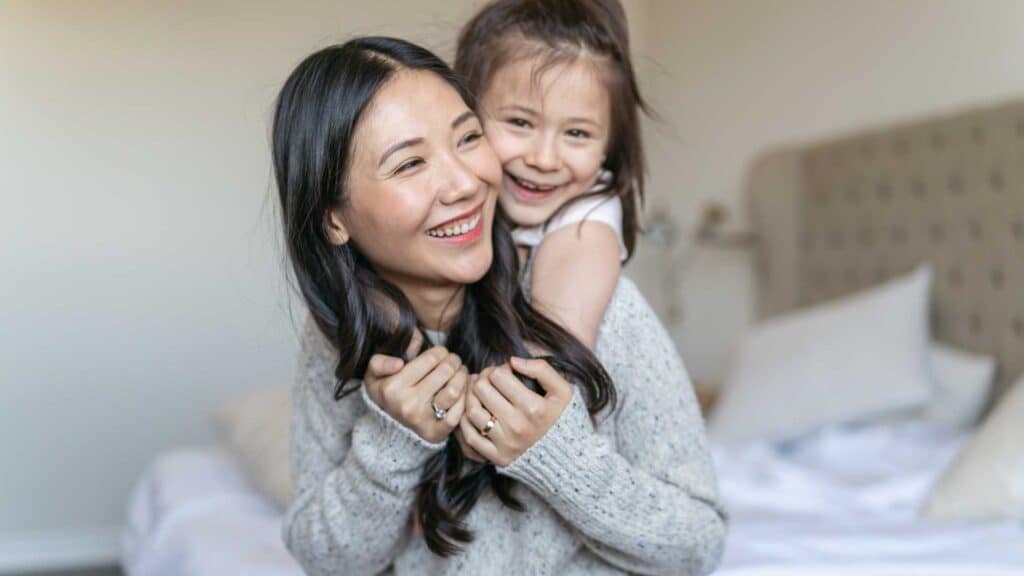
x: 337, y: 233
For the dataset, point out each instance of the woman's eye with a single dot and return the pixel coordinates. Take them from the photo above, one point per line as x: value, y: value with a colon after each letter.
x: 577, y: 133
x: 471, y: 137
x: 519, y: 123
x: 408, y: 165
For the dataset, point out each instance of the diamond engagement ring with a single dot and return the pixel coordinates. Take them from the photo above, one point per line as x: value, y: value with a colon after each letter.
x: 439, y: 413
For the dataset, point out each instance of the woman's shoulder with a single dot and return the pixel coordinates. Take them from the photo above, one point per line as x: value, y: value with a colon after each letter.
x: 628, y: 313
x: 315, y: 381
x: 633, y: 345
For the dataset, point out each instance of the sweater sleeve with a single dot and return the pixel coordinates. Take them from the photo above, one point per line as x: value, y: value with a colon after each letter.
x: 354, y: 469
x: 647, y: 502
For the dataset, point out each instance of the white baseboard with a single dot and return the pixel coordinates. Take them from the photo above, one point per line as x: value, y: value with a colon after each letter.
x: 59, y: 550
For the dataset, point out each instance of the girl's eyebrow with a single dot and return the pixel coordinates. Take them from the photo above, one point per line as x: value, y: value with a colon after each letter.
x: 583, y: 120
x: 519, y: 108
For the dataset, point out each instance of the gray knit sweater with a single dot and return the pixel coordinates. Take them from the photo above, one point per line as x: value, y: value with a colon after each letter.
x: 634, y: 492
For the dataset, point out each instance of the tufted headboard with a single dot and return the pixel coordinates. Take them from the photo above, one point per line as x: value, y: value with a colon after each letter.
x: 836, y: 216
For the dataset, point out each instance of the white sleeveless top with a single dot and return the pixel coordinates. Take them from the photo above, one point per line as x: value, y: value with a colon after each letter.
x: 595, y: 208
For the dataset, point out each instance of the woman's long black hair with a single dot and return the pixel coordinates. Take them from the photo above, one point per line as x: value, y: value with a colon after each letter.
x: 316, y: 116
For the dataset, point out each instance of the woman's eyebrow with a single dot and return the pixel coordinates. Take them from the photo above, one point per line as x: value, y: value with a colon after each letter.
x: 398, y: 146
x: 462, y: 118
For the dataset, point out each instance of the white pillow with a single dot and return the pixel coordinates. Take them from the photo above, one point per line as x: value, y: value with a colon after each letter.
x: 986, y: 481
x: 255, y: 429
x: 853, y: 358
x: 962, y: 383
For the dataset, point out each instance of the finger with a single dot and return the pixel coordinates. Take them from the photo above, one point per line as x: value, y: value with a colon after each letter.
x: 477, y: 442
x: 455, y: 389
x: 430, y: 384
x: 382, y: 365
x: 548, y: 378
x: 467, y: 451
x: 491, y: 398
x: 414, y: 344
x: 478, y: 415
x: 455, y: 413
x: 512, y: 388
x: 421, y: 365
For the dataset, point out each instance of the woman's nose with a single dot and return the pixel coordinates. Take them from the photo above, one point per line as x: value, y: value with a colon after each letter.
x: 461, y: 183
x: 543, y: 156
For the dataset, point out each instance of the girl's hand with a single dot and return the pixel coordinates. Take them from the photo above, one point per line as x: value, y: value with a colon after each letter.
x: 504, y: 417
x: 417, y: 392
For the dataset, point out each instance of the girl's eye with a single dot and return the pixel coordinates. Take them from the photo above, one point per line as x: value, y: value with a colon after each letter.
x: 408, y: 165
x: 577, y: 133
x: 519, y: 123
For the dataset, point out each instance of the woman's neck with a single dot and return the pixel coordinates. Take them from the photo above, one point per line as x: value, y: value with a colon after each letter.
x: 435, y: 306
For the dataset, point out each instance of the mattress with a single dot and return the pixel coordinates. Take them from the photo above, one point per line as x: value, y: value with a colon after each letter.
x: 842, y: 502
x: 193, y: 513
x: 846, y: 501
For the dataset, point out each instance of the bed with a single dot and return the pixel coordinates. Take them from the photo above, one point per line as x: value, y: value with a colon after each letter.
x: 831, y: 218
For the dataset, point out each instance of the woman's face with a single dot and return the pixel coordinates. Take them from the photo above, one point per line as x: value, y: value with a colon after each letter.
x: 422, y: 185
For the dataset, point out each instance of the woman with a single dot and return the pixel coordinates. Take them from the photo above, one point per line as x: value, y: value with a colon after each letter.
x: 388, y: 197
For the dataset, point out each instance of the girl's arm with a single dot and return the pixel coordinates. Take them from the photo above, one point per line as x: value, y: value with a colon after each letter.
x: 355, y: 470
x: 575, y: 271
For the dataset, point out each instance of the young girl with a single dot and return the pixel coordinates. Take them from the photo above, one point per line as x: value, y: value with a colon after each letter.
x: 560, y: 102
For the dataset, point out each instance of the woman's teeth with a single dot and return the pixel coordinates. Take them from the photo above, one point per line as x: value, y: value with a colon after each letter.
x: 456, y: 228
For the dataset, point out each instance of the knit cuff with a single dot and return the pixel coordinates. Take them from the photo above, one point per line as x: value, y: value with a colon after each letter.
x: 552, y: 461
x: 390, y: 451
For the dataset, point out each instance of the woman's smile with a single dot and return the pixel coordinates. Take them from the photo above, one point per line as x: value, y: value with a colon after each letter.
x: 462, y: 229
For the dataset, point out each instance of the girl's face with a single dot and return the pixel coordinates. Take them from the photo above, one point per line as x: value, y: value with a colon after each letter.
x: 550, y: 132
x: 421, y: 184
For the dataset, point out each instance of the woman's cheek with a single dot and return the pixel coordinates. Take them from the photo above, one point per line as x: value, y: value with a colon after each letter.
x: 506, y: 146
x: 486, y: 165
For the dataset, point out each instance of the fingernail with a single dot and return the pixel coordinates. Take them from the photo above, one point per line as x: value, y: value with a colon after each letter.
x: 517, y: 362
x: 394, y: 363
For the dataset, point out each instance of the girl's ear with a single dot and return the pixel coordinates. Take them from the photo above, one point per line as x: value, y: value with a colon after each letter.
x: 337, y: 233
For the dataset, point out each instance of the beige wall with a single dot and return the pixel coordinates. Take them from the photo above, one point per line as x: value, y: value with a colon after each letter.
x: 139, y: 270
x: 731, y: 77
x: 140, y: 275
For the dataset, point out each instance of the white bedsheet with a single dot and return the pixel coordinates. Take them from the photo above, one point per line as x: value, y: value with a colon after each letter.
x: 193, y: 513
x: 840, y: 503
x: 847, y: 499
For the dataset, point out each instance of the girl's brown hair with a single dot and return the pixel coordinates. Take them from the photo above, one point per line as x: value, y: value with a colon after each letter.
x: 561, y: 31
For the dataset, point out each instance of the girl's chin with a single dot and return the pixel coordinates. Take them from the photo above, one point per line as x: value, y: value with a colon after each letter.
x: 526, y: 215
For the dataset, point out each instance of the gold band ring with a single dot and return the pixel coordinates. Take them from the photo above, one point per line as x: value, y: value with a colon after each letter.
x: 488, y: 427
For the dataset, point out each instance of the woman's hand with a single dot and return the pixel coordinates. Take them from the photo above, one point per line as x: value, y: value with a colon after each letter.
x: 417, y: 392
x: 503, y: 417
x: 466, y: 450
